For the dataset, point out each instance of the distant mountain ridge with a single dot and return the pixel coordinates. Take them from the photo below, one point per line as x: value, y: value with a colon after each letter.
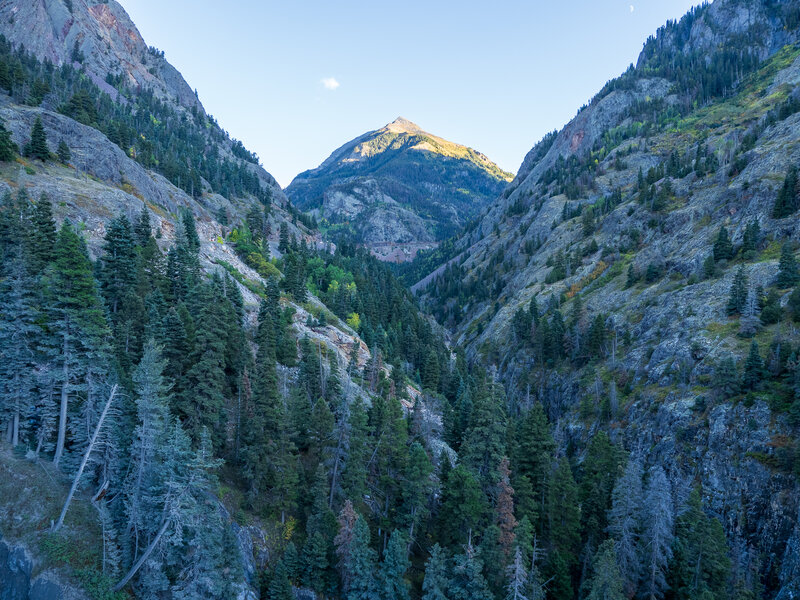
x: 398, y: 189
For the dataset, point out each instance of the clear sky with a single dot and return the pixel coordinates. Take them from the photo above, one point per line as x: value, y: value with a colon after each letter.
x: 296, y: 79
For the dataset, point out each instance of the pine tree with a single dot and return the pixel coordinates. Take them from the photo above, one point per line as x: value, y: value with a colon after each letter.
x: 393, y: 585
x: 723, y: 249
x: 753, y: 368
x: 533, y: 451
x: 624, y: 523
x: 597, y: 482
x: 202, y: 400
x: 468, y: 582
x: 436, y: 584
x: 63, y: 152
x: 19, y: 332
x: 37, y: 147
x: 787, y: 201
x: 153, y: 421
x: 283, y: 244
x: 76, y: 321
x: 315, y: 562
x: 463, y: 505
x: 738, y: 295
x: 363, y: 584
x: 788, y: 275
x: 280, y: 587
x: 8, y: 149
x: 41, y: 238
x: 516, y: 589
x: 701, y: 565
x: 564, y: 511
x: 505, y: 510
x: 657, y: 531
x: 485, y: 441
x: 606, y: 581
x: 751, y: 239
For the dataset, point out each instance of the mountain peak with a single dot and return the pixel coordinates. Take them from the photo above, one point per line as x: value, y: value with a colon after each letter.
x: 403, y: 125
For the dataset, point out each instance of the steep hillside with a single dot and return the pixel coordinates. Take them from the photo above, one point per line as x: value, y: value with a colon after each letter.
x: 398, y: 190
x: 640, y: 269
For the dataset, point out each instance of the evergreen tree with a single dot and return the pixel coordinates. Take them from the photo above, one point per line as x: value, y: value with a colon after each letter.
x: 463, y: 505
x: 606, y: 581
x: 723, y: 249
x: 362, y: 581
x: 436, y: 584
x: 532, y: 458
x: 624, y: 523
x: 504, y: 508
x: 658, y: 533
x: 63, y: 153
x: 788, y: 275
x: 751, y: 239
x: 517, y: 574
x: 787, y: 201
x: 738, y: 296
x: 393, y: 585
x: 37, y: 147
x: 315, y: 562
x: 597, y: 482
x: 18, y: 334
x: 76, y: 321
x: 564, y: 511
x: 8, y: 149
x: 485, y: 441
x: 468, y: 582
x: 41, y: 236
x: 753, y: 368
x: 701, y: 565
x: 280, y: 588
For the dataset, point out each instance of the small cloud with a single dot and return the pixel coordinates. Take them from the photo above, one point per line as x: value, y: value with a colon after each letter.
x: 330, y: 83
x: 632, y: 8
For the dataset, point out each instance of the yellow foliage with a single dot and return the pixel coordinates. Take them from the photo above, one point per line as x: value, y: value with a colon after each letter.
x: 354, y: 321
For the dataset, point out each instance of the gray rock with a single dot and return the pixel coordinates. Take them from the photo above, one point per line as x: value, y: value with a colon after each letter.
x: 15, y: 572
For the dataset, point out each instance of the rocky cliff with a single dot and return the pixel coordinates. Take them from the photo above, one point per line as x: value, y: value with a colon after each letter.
x: 398, y: 190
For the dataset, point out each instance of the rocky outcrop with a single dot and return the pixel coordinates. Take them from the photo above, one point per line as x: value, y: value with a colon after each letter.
x: 16, y: 582
x: 399, y: 189
x: 100, y: 37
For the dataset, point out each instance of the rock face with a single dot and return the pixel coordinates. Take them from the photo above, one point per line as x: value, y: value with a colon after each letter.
x: 398, y: 190
x: 16, y: 583
x: 100, y: 36
x: 636, y: 261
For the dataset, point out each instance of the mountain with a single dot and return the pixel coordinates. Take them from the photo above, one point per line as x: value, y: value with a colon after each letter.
x: 640, y: 269
x: 398, y: 190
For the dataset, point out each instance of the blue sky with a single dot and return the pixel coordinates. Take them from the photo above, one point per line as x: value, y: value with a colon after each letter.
x: 294, y: 80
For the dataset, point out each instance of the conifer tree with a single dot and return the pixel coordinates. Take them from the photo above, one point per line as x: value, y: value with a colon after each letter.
x: 658, y: 532
x: 787, y: 201
x: 41, y: 236
x: 393, y: 585
x: 363, y: 584
x: 8, y: 149
x: 463, y: 505
x: 624, y: 523
x: 723, y: 249
x: 344, y: 543
x: 506, y: 521
x: 564, y: 511
x: 76, y: 321
x: 436, y: 584
x: 18, y: 334
x: 738, y: 295
x: 280, y: 588
x: 315, y: 562
x: 517, y: 575
x: 597, y: 482
x: 753, y: 368
x: 751, y: 239
x: 701, y: 565
x: 788, y: 275
x: 606, y: 581
x: 468, y: 582
x: 37, y: 147
x: 63, y: 152
x: 532, y: 458
x: 485, y: 441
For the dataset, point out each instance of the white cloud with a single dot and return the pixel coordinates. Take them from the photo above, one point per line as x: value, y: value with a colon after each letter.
x: 330, y: 83
x: 632, y: 8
